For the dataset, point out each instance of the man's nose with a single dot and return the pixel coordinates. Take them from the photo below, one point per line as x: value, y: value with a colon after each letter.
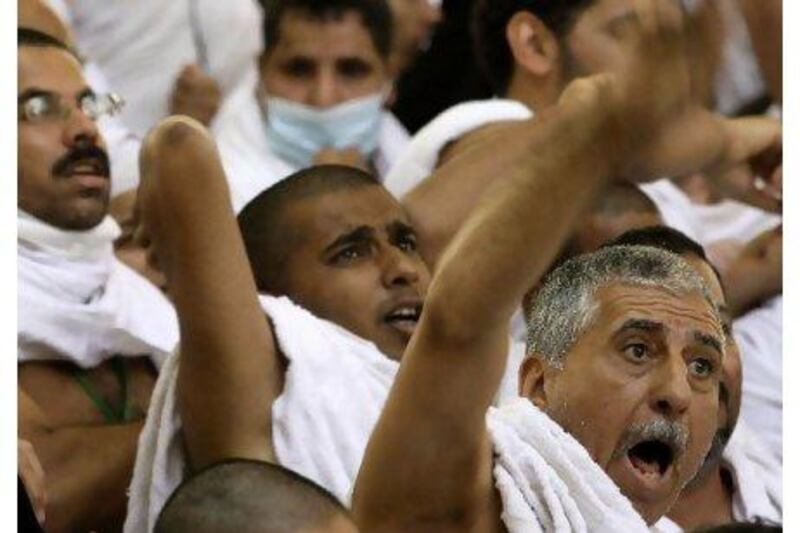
x: 78, y: 126
x: 399, y: 269
x: 324, y: 93
x: 672, y: 392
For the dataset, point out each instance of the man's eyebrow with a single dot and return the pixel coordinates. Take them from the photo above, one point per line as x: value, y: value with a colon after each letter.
x: 353, y: 61
x: 398, y: 227
x: 359, y: 234
x: 84, y: 93
x: 708, y: 340
x: 642, y: 324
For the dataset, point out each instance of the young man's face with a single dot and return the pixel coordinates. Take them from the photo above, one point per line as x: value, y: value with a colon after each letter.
x: 64, y: 175
x: 322, y: 63
x: 593, y: 44
x: 650, y: 357
x: 354, y: 261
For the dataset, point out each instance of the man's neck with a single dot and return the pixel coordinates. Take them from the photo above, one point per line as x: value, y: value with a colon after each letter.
x: 536, y: 97
x: 707, y: 504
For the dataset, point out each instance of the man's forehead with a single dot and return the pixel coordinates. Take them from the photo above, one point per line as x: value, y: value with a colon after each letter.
x: 340, y: 35
x: 328, y: 215
x: 621, y: 303
x: 50, y: 69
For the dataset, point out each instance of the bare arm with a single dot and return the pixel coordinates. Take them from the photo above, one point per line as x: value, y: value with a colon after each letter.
x: 230, y: 372
x: 441, y: 203
x: 452, y: 368
x: 604, y: 127
x: 84, y: 465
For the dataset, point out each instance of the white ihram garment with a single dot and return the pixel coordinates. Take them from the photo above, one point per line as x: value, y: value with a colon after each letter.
x: 78, y: 303
x: 547, y: 480
x: 334, y: 389
x: 421, y: 156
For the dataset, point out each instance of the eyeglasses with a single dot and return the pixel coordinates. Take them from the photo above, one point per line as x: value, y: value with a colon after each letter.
x: 46, y: 107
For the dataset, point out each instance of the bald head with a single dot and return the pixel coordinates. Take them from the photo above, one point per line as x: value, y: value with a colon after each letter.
x: 243, y: 496
x: 267, y: 229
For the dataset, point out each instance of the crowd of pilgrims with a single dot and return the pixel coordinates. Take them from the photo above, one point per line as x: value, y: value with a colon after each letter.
x: 399, y: 266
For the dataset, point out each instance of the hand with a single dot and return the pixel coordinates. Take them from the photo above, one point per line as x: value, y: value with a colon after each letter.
x: 123, y: 208
x: 195, y: 94
x: 32, y: 474
x: 756, y: 273
x: 751, y: 168
x: 346, y: 156
x: 656, y: 126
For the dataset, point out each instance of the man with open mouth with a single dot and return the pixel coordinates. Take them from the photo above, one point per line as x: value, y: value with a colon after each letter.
x: 739, y: 480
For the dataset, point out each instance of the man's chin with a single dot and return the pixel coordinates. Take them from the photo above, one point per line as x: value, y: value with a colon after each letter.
x: 88, y: 213
x: 651, y: 498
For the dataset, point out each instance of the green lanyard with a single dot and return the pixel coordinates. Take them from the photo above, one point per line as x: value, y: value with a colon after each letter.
x: 124, y: 412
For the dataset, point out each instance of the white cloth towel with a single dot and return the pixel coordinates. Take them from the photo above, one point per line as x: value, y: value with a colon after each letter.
x: 334, y: 390
x: 76, y: 302
x: 421, y: 156
x: 759, y: 335
x: 727, y: 220
x: 547, y: 480
x: 758, y: 477
x: 252, y: 167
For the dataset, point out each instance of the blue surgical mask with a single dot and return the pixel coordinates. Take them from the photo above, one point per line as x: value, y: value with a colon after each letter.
x: 297, y: 132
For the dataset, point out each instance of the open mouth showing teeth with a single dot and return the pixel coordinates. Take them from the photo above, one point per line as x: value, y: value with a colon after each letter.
x: 404, y: 314
x: 651, y: 458
x: 88, y: 167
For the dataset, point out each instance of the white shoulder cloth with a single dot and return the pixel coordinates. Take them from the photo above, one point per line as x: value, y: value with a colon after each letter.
x: 547, y: 480
x: 76, y: 302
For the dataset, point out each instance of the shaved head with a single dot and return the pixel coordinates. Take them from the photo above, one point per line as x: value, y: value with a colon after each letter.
x: 244, y: 496
x: 268, y: 233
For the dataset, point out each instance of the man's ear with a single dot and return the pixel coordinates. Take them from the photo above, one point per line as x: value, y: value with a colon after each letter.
x: 532, y: 380
x: 533, y: 45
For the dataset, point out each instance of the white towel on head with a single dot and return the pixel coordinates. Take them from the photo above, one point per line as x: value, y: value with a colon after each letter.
x: 421, y: 156
x: 76, y: 302
x: 335, y: 387
x: 547, y: 480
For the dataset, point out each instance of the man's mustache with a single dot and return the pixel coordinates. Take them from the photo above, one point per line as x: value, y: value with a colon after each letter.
x: 667, y: 432
x: 79, y: 154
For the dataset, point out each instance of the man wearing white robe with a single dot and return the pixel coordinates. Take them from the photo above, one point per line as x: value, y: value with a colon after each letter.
x: 740, y: 480
x: 529, y: 59
x: 91, y: 332
x: 142, y: 47
x: 325, y: 75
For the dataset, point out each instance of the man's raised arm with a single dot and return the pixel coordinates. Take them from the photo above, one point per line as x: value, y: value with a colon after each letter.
x: 229, y: 369
x: 428, y: 463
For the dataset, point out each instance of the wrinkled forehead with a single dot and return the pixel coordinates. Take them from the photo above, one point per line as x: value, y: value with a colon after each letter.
x: 50, y: 69
x: 681, y: 313
x: 326, y: 216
